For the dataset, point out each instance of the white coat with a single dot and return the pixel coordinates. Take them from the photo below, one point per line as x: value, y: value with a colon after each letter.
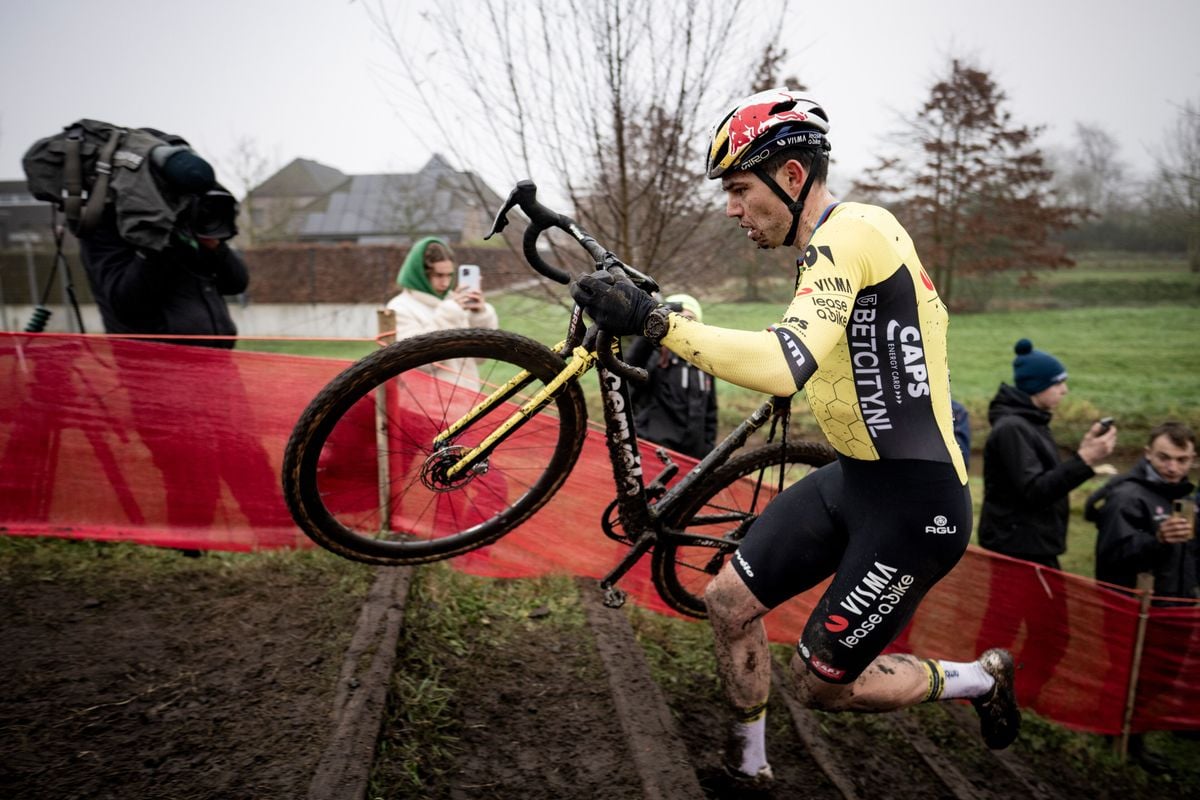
x: 418, y: 312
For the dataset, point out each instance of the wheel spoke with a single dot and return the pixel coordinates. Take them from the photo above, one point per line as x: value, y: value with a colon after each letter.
x: 410, y: 393
x: 724, y: 506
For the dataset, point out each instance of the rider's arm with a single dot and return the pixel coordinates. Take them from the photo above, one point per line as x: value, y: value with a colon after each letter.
x: 748, y: 358
x: 780, y: 359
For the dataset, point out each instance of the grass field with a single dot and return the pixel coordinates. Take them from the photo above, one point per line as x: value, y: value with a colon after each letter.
x: 349, y: 349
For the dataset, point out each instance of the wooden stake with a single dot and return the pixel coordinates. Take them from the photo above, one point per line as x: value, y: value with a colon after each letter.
x: 386, y: 319
x: 1145, y: 586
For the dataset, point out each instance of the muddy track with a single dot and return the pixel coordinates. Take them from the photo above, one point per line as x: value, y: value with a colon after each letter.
x: 263, y: 678
x: 635, y: 739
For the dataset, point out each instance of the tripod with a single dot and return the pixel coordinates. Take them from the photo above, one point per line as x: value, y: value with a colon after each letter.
x: 41, y: 314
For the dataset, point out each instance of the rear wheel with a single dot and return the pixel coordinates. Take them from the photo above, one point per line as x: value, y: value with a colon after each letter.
x: 364, y: 476
x: 723, y: 507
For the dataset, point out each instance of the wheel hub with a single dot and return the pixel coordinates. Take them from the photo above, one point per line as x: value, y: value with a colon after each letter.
x: 435, y: 472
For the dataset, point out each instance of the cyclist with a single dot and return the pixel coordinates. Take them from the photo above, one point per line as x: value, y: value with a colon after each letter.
x: 865, y: 336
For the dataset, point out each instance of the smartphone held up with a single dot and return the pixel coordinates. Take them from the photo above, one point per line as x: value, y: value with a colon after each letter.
x: 1186, y: 508
x: 469, y: 277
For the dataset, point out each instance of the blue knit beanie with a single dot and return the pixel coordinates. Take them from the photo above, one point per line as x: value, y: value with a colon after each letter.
x: 1035, y: 371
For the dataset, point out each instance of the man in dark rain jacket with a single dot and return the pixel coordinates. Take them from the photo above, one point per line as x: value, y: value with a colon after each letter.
x: 1025, y: 483
x: 178, y: 289
x: 1137, y: 529
x: 1025, y: 506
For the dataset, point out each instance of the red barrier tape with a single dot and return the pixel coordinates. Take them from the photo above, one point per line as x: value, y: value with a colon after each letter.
x: 181, y: 447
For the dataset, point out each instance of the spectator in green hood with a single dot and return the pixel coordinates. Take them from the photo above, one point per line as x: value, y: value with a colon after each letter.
x: 430, y: 300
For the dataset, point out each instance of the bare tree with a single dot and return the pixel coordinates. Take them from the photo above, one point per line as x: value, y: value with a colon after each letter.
x: 1091, y: 175
x: 1175, y: 193
x: 971, y: 185
x: 605, y: 103
x: 242, y: 168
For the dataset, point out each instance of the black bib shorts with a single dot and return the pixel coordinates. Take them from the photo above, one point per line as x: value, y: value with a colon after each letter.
x: 887, y: 531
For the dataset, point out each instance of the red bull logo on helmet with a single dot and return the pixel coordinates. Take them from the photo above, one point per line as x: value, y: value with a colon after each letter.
x: 753, y: 121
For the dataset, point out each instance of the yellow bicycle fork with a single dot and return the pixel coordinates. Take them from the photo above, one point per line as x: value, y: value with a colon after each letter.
x: 581, y: 361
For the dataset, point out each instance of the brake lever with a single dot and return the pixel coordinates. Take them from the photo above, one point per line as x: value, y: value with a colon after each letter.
x: 639, y: 278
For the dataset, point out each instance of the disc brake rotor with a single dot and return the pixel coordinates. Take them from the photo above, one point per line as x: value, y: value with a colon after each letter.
x: 435, y: 472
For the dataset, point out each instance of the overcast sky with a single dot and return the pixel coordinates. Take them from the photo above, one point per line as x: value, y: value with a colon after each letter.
x: 304, y: 78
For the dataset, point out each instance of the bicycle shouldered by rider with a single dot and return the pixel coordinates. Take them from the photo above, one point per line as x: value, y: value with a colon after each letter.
x: 892, y: 515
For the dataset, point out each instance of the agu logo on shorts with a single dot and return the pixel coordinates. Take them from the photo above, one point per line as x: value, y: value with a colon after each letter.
x: 940, y: 527
x: 836, y: 624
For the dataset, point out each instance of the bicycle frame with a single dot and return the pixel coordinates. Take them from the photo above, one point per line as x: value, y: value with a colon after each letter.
x: 638, y: 516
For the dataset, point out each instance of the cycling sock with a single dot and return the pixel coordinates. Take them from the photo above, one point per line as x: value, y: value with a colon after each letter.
x: 751, y: 731
x: 957, y: 679
x: 937, y: 680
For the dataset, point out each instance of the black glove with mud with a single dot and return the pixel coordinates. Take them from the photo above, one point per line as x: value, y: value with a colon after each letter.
x: 613, y: 301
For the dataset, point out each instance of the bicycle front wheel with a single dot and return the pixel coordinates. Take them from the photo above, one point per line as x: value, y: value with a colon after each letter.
x: 723, y: 507
x: 370, y: 469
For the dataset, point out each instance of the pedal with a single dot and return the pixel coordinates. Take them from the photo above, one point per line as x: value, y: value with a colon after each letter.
x: 614, y: 597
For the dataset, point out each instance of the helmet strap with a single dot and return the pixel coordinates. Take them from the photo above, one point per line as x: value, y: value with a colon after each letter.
x: 796, y: 206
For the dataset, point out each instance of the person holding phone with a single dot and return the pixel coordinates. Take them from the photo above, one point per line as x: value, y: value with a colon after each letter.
x: 1146, y: 522
x: 1025, y: 483
x: 432, y: 298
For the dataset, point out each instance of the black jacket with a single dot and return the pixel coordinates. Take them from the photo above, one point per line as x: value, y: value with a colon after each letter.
x: 677, y: 407
x: 1025, y: 484
x: 1127, y: 511
x: 176, y: 291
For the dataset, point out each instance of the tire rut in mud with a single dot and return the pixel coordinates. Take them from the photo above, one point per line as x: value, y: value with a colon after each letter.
x: 565, y: 706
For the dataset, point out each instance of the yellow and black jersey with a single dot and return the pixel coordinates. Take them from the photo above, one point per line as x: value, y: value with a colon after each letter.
x: 865, y: 336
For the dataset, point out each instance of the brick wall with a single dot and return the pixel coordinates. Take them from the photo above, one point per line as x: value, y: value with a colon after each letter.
x: 356, y: 273
x: 286, y: 273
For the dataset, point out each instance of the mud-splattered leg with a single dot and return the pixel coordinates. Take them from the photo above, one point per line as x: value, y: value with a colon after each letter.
x: 744, y: 666
x: 889, y: 682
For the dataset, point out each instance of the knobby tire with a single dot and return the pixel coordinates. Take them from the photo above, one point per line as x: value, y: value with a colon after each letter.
x: 331, y: 467
x: 721, y: 506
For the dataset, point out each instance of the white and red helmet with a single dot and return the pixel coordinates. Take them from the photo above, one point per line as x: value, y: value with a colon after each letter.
x: 762, y: 125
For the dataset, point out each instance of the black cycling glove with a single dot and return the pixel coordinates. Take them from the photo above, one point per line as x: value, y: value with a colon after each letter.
x: 613, y: 301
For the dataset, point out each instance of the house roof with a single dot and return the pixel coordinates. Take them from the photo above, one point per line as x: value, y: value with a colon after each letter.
x: 301, y: 178
x: 433, y: 201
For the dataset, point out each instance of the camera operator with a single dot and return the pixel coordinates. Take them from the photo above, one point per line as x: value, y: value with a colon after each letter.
x: 180, y: 289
